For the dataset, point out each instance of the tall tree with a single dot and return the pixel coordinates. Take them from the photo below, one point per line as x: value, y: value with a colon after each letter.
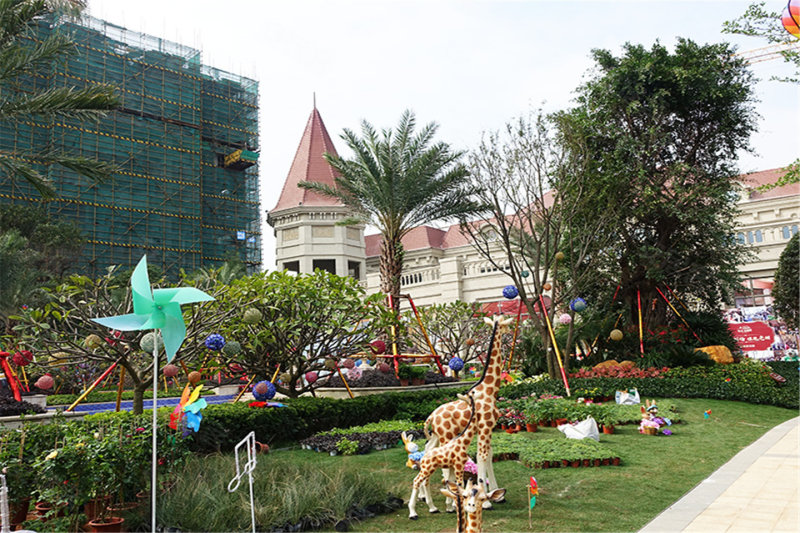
x: 663, y: 131
x: 757, y: 21
x: 787, y: 283
x: 532, y: 177
x: 396, y: 181
x: 21, y: 55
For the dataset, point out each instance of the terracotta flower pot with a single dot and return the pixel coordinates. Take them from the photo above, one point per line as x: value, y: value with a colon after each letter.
x: 606, y: 461
x: 564, y: 463
x: 532, y: 428
x: 94, y: 507
x: 404, y: 382
x: 585, y: 462
x: 109, y: 523
x: 504, y: 426
x: 615, y: 461
x: 117, y: 508
x: 42, y: 508
x: 545, y: 464
x: 561, y: 421
x: 261, y: 447
x: 19, y: 512
x: 597, y: 462
x: 608, y: 429
x: 418, y: 381
x: 575, y: 464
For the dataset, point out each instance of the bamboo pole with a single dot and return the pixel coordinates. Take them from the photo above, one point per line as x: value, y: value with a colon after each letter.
x: 91, y: 388
x: 555, y: 345
x: 241, y: 392
x: 641, y: 328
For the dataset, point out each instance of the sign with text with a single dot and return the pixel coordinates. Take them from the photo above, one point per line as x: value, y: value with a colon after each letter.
x: 752, y: 336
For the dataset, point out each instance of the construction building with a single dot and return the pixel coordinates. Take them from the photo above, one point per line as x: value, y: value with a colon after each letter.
x: 185, y: 141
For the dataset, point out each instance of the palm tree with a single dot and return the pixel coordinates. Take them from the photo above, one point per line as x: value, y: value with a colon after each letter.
x: 21, y: 55
x: 395, y: 182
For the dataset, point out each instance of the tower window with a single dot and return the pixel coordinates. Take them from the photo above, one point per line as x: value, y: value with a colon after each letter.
x: 354, y: 269
x: 292, y: 266
x: 328, y: 265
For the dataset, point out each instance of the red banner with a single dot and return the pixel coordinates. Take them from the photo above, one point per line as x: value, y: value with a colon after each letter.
x: 752, y: 336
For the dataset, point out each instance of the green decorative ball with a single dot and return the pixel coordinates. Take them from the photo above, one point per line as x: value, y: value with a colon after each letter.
x: 232, y: 348
x: 252, y: 316
x: 93, y: 342
x: 148, y: 340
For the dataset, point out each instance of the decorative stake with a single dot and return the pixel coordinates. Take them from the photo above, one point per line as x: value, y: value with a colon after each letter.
x: 249, y: 466
x: 158, y: 309
x: 641, y: 329
x: 555, y: 345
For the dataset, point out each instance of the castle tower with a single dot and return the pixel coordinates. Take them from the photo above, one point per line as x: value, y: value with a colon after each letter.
x: 305, y: 222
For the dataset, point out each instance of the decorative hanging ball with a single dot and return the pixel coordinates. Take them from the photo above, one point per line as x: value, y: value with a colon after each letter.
x: 311, y: 377
x: 377, y: 347
x: 348, y: 363
x: 263, y: 391
x: 577, y: 305
x: 170, y: 371
x: 285, y: 377
x: 93, y: 342
x: 456, y: 364
x: 236, y: 368
x: 616, y: 335
x: 232, y: 348
x: 252, y: 316
x: 565, y: 318
x: 215, y: 342
x: 384, y: 367
x: 525, y: 273
x: 790, y: 16
x: 547, y: 286
x: 330, y: 364
x: 195, y: 377
x: 510, y: 292
x: 559, y: 256
x: 147, y: 342
x: 22, y: 358
x: 470, y: 342
x: 45, y: 382
x: 359, y: 362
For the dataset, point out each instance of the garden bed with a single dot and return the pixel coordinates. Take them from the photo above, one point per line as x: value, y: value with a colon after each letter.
x: 377, y: 436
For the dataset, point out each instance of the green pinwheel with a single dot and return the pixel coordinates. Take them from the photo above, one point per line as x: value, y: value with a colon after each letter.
x: 156, y: 309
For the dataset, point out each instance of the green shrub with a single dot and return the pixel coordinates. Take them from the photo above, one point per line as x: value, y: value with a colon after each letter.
x: 787, y: 369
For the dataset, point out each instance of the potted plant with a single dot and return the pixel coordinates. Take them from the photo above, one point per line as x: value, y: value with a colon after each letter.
x: 404, y: 373
x: 418, y: 375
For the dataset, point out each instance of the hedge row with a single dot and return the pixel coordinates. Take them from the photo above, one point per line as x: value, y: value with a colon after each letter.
x: 746, y: 382
x: 224, y: 425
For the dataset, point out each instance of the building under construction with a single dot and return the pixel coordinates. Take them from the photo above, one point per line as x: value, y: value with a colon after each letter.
x: 185, y: 141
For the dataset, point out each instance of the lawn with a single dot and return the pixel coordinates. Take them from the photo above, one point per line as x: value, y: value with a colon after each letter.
x: 654, y: 472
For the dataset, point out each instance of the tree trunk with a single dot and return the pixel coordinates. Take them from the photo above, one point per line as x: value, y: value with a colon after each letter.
x: 138, y: 397
x: 391, y: 268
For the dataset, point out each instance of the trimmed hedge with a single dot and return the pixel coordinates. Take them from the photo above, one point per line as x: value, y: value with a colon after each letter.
x: 747, y: 382
x: 787, y: 369
x: 224, y: 425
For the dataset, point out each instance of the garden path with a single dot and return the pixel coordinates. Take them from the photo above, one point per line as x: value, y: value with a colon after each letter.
x: 757, y: 490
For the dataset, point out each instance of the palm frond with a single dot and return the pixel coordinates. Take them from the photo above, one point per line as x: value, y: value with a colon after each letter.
x: 17, y: 58
x: 14, y: 167
x: 88, y: 103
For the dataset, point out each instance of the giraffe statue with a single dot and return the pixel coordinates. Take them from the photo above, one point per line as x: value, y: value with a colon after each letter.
x: 470, y: 502
x: 453, y: 454
x: 447, y: 420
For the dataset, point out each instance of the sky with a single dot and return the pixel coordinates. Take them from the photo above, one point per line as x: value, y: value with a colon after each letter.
x: 468, y: 65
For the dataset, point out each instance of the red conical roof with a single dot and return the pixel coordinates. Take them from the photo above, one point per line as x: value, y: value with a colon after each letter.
x: 309, y: 165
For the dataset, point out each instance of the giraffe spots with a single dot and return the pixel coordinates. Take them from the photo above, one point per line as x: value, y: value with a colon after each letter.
x: 489, y: 380
x: 447, y: 425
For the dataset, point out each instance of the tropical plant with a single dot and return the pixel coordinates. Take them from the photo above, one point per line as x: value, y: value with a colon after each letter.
x: 298, y: 323
x: 60, y: 331
x: 786, y: 290
x: 396, y: 181
x: 21, y: 55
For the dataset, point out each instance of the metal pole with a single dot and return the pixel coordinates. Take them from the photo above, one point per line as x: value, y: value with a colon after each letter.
x: 153, y: 485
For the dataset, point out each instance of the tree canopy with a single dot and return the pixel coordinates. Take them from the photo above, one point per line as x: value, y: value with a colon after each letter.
x: 663, y: 130
x: 786, y: 290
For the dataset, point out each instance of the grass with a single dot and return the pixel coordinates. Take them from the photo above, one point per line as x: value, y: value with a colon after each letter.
x: 654, y: 473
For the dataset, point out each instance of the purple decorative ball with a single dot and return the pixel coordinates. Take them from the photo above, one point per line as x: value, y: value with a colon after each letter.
x: 565, y: 318
x: 385, y: 368
x: 510, y: 292
x: 311, y: 377
x: 456, y: 364
x: 215, y: 342
x: 348, y: 363
x: 263, y: 391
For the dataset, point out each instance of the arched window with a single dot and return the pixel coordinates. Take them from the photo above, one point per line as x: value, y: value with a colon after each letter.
x: 740, y: 238
x: 759, y: 236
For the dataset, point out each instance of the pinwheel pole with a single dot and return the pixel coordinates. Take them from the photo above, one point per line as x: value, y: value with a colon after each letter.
x: 158, y: 310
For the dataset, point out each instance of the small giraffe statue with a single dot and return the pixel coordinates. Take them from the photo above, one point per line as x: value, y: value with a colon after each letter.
x: 449, y: 419
x: 469, y: 504
x: 453, y: 454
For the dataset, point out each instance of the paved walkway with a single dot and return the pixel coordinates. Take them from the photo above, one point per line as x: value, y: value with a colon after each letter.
x: 757, y: 490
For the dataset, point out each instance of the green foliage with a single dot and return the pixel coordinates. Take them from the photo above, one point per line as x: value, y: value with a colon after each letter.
x: 304, y: 320
x: 786, y: 291
x: 346, y: 446
x: 382, y: 426
x: 663, y: 130
x: 23, y: 55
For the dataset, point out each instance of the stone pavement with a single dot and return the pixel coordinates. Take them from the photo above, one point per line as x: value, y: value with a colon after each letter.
x: 757, y: 490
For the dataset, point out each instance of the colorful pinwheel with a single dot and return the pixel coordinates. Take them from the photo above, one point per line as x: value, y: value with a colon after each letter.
x: 156, y: 309
x: 190, y: 406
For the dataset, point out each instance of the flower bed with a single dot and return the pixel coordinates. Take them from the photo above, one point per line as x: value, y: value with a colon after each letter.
x: 377, y: 436
x: 550, y: 453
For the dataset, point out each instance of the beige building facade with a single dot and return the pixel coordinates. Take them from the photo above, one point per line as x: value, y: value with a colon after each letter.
x: 440, y: 263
